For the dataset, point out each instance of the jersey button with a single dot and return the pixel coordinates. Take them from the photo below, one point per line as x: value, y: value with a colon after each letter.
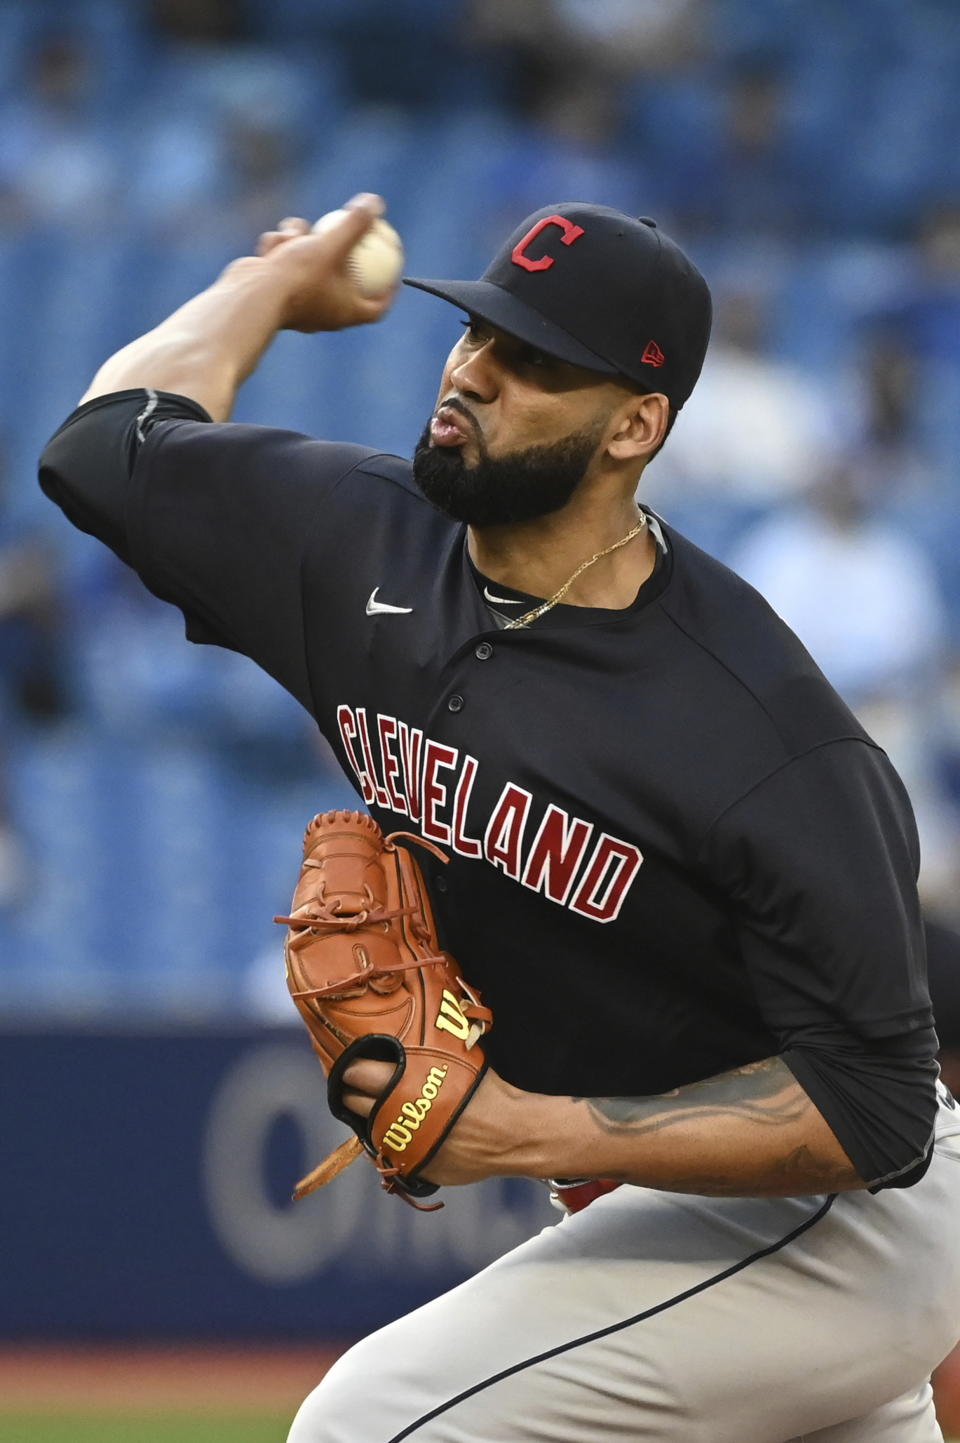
x: 440, y: 884
x: 484, y: 651
x: 455, y: 703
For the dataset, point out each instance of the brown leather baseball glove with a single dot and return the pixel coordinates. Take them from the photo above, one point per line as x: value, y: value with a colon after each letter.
x: 365, y: 970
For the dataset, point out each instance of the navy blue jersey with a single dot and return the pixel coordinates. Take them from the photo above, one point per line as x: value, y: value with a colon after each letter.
x: 673, y: 849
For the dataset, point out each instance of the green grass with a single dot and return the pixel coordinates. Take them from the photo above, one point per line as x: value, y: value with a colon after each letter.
x: 135, y: 1427
x: 132, y: 1427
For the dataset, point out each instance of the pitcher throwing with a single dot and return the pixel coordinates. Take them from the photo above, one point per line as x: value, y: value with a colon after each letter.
x: 681, y: 875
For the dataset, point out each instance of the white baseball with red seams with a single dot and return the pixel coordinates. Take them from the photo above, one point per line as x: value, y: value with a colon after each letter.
x: 376, y: 261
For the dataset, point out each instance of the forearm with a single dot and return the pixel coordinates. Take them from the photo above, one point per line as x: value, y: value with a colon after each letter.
x: 207, y: 348
x: 298, y: 280
x: 751, y: 1132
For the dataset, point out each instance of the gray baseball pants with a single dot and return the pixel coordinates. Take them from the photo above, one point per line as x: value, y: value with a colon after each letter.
x: 657, y: 1317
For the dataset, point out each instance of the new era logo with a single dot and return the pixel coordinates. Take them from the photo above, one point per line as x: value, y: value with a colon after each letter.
x: 652, y: 356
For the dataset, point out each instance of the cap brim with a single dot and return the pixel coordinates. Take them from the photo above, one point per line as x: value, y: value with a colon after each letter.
x: 499, y: 308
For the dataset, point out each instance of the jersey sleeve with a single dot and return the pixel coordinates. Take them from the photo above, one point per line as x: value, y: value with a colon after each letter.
x: 820, y: 863
x: 87, y: 463
x: 216, y: 518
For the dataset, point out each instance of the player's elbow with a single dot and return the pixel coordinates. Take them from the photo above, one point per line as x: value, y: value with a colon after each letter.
x: 879, y: 1099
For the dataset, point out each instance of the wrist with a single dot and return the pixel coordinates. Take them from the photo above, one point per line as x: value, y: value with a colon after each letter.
x: 541, y: 1137
x: 267, y: 289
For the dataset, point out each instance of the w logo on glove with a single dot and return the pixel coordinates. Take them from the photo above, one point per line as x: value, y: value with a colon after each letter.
x: 452, y: 1018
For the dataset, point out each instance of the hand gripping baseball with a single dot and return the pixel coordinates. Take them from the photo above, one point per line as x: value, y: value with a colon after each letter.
x: 369, y: 979
x: 316, y: 267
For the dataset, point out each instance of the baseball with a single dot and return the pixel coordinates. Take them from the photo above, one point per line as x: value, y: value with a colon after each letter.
x: 376, y: 261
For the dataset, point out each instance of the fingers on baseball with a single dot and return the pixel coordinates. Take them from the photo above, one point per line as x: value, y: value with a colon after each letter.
x: 287, y: 229
x: 271, y: 239
x: 342, y: 229
x: 367, y: 200
x: 373, y: 307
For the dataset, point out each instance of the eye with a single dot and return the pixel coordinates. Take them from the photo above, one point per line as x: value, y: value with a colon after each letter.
x: 514, y: 354
x: 476, y: 331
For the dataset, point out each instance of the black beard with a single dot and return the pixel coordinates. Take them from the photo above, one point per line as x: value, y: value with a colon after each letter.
x: 503, y: 490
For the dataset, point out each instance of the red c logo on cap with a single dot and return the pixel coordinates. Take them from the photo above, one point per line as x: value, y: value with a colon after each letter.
x: 571, y: 233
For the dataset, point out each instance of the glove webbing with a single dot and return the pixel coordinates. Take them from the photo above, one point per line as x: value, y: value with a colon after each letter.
x: 331, y: 922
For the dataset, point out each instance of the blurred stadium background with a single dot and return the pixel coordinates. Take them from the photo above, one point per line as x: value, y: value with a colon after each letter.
x: 152, y: 794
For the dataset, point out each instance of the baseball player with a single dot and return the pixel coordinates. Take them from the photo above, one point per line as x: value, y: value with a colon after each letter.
x: 681, y: 874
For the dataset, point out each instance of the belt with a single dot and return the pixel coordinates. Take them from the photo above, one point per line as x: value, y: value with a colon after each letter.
x: 573, y: 1194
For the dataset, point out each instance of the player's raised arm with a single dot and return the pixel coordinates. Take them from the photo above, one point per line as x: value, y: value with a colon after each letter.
x: 298, y: 281
x: 217, y: 518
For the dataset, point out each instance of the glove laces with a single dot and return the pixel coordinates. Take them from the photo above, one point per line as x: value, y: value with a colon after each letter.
x: 326, y: 921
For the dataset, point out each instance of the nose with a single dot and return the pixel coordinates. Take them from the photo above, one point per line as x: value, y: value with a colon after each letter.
x: 474, y: 372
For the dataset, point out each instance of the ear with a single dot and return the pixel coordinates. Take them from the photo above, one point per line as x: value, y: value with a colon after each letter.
x: 639, y: 426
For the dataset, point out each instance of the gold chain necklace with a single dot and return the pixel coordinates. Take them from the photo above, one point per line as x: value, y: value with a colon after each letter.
x: 546, y: 606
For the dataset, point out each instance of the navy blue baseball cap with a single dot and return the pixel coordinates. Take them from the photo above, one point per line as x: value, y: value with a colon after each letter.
x: 600, y: 289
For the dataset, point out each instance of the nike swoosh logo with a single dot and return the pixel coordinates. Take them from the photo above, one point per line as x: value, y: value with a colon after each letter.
x: 499, y: 600
x: 374, y: 606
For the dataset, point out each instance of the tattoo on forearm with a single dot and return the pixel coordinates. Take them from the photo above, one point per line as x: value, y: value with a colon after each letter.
x: 764, y: 1094
x: 763, y: 1091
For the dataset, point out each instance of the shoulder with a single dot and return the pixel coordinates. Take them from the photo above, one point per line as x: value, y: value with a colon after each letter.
x: 241, y: 457
x: 382, y: 470
x: 746, y: 658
